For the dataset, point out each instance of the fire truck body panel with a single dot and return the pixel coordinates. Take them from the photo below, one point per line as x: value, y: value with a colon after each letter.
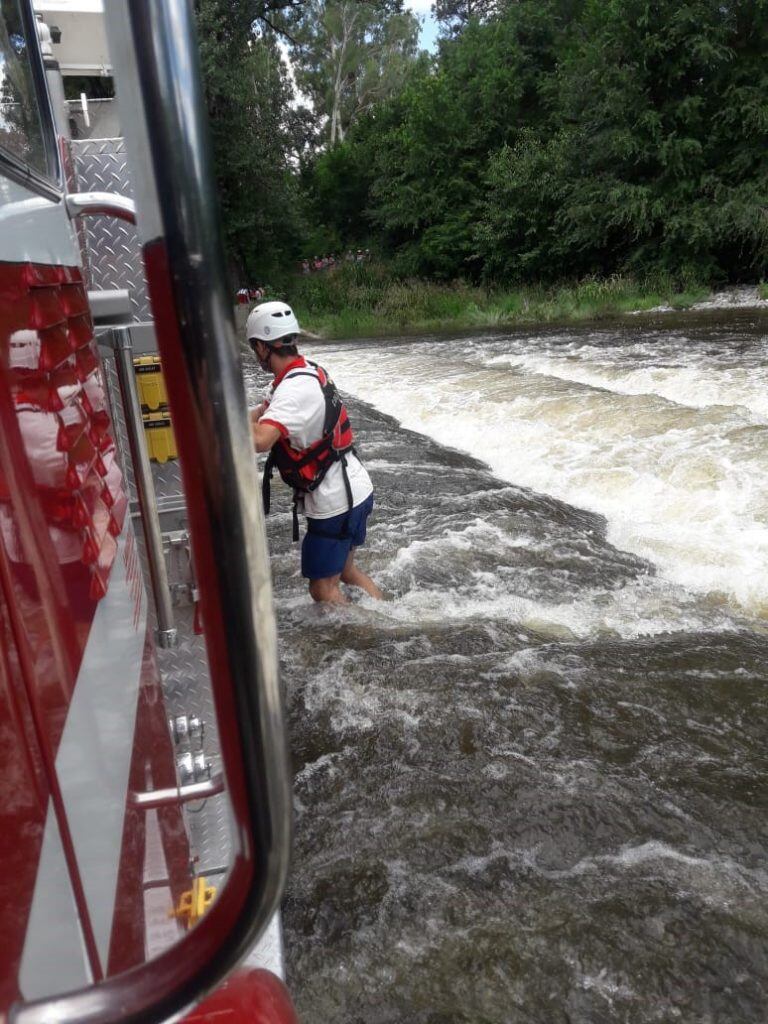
x: 34, y: 239
x: 92, y: 765
x: 76, y: 609
x: 77, y: 648
x: 22, y: 824
x: 94, y: 864
x: 34, y: 228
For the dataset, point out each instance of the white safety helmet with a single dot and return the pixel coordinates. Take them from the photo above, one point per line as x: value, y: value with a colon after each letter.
x: 270, y: 321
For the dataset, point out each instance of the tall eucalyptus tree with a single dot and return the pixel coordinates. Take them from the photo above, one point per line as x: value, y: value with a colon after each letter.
x: 349, y: 55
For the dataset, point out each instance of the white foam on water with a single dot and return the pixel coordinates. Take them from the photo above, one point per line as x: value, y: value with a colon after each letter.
x: 355, y: 706
x: 644, y: 607
x: 688, y: 384
x: 466, y: 538
x: 387, y: 466
x: 324, y: 763
x: 652, y: 850
x: 681, y: 476
x: 715, y: 875
x: 606, y: 985
x: 743, y: 297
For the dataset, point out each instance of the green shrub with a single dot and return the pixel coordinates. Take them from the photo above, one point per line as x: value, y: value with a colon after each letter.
x: 370, y: 299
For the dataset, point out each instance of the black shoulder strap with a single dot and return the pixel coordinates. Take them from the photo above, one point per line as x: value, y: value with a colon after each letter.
x: 333, y: 404
x: 266, y: 481
x: 299, y: 373
x: 295, y: 517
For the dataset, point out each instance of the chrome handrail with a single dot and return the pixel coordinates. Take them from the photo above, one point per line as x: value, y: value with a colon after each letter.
x: 204, y: 379
x: 154, y: 798
x: 89, y: 204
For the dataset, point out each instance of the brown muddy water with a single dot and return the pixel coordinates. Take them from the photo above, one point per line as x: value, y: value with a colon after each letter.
x: 532, y: 786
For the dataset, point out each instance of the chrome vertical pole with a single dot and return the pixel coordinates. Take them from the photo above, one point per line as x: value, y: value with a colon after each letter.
x: 167, y: 635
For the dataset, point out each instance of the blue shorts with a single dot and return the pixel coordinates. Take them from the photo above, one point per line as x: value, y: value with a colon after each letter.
x: 324, y: 551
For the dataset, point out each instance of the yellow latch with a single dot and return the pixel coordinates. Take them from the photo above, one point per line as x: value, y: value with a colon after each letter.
x: 151, y: 383
x: 194, y: 903
x: 158, y: 431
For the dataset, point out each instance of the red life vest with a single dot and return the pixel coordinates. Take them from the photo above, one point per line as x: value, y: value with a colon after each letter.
x: 305, y: 470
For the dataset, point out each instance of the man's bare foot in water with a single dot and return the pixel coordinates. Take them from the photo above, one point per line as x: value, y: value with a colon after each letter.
x: 328, y: 590
x: 355, y: 577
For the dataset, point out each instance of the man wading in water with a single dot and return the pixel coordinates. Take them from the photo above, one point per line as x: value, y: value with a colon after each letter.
x: 304, y: 426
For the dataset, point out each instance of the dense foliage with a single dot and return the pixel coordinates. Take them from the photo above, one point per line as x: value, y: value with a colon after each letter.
x: 654, y: 152
x: 563, y: 138
x: 453, y: 15
x: 248, y: 94
x: 547, y: 139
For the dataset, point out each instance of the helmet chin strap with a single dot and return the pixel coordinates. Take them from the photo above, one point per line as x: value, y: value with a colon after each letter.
x: 265, y: 364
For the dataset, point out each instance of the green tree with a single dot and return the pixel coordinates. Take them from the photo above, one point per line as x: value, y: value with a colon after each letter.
x: 655, y: 155
x: 429, y: 184
x: 547, y: 139
x: 453, y: 15
x: 249, y: 103
x: 350, y: 55
x: 337, y: 180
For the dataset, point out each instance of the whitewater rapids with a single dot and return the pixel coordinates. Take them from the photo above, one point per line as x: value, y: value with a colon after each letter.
x: 531, y: 786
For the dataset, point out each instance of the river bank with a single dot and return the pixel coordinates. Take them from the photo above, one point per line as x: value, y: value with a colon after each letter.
x: 366, y: 301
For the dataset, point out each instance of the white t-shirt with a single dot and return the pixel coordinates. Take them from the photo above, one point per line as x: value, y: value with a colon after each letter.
x: 296, y: 406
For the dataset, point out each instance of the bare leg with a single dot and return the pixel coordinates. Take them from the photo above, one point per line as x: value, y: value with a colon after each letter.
x: 355, y: 577
x: 327, y: 590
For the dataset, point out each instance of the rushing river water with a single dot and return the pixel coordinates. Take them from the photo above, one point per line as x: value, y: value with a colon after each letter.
x: 532, y: 786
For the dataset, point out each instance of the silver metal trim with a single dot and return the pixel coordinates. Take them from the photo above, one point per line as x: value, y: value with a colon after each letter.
x: 112, y: 246
x: 110, y: 307
x: 103, y: 204
x: 167, y: 638
x: 167, y: 125
x: 178, y: 795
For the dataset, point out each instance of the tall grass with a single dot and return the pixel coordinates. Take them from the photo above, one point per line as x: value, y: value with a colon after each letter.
x: 367, y: 300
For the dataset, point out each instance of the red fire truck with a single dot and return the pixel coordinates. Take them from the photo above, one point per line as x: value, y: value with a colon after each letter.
x: 145, y: 789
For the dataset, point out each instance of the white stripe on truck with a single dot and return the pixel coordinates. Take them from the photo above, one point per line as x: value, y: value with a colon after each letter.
x: 92, y: 764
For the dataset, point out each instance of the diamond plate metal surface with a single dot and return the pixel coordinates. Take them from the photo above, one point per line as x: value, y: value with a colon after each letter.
x: 183, y: 669
x: 187, y: 690
x: 168, y: 486
x: 171, y: 503
x: 114, y: 253
x: 268, y: 951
